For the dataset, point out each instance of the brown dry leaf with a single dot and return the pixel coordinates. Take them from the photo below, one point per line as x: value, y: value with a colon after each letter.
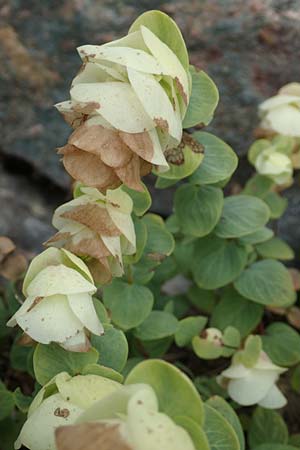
x: 95, y: 218
x: 94, y: 248
x: 139, y: 143
x: 88, y: 168
x: 56, y: 238
x: 277, y: 310
x: 293, y: 316
x: 100, y: 270
x: 13, y: 266
x: 6, y: 246
x: 26, y: 341
x: 90, y: 436
x: 130, y: 174
x: 102, y: 142
x: 295, y: 274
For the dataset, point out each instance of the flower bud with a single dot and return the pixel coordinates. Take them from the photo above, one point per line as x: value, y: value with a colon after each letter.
x: 214, y: 336
x: 257, y: 384
x: 281, y: 113
x: 139, y: 426
x: 99, y: 227
x: 69, y: 398
x: 127, y: 106
x: 275, y: 165
x: 59, y: 306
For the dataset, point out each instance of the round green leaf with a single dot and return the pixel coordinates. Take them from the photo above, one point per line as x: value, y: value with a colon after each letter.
x: 7, y: 401
x: 141, y: 240
x: 256, y: 148
x: 220, y: 433
x: 267, y: 282
x: 102, y: 371
x: 158, y: 325
x: 175, y: 391
x: 51, y: 359
x: 205, y: 349
x: 219, y: 162
x: 220, y: 405
x: 217, y: 262
x: 261, y: 235
x: 266, y: 427
x: 282, y: 343
x: 198, y: 208
x: 141, y: 199
x: 258, y: 185
x: 276, y: 204
x: 166, y: 30
x: 129, y: 304
x: 204, y: 99
x: 275, y: 248
x: 195, y: 431
x: 188, y: 328
x: 202, y: 299
x: 159, y: 240
x: 112, y: 348
x: 242, y: 215
x: 234, y: 309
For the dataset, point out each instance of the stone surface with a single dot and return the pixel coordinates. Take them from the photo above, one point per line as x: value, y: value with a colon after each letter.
x: 250, y: 48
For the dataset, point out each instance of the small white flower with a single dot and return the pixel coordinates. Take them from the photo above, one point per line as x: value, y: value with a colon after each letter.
x: 70, y: 398
x: 281, y: 113
x: 99, y: 227
x: 275, y: 165
x: 139, y: 426
x: 59, y: 306
x: 257, y: 384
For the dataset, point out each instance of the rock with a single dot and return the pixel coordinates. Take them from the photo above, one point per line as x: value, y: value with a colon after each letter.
x: 250, y: 48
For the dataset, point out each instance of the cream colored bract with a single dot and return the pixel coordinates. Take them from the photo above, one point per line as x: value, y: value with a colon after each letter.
x: 275, y: 165
x: 134, y: 92
x: 281, y: 113
x: 70, y: 398
x: 257, y: 384
x: 59, y: 306
x: 99, y: 227
x: 130, y: 417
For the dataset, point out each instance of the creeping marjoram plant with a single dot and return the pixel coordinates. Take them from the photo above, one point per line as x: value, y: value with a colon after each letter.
x: 119, y: 291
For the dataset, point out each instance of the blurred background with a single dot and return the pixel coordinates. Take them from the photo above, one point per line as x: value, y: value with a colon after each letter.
x: 249, y: 47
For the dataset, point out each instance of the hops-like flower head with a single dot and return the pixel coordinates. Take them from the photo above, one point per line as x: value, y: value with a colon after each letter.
x: 127, y: 105
x: 59, y: 307
x: 139, y: 426
x: 69, y: 398
x: 281, y: 113
x: 275, y: 165
x: 99, y: 227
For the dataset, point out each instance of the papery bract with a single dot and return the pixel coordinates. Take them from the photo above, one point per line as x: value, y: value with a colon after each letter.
x: 59, y: 306
x: 99, y: 227
x: 68, y: 399
x: 127, y: 106
x: 281, y: 113
x: 129, y: 417
x: 275, y: 165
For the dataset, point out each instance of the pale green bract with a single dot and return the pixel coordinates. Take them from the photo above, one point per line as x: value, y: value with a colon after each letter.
x: 275, y: 165
x: 61, y: 402
x: 281, y: 113
x: 59, y: 306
